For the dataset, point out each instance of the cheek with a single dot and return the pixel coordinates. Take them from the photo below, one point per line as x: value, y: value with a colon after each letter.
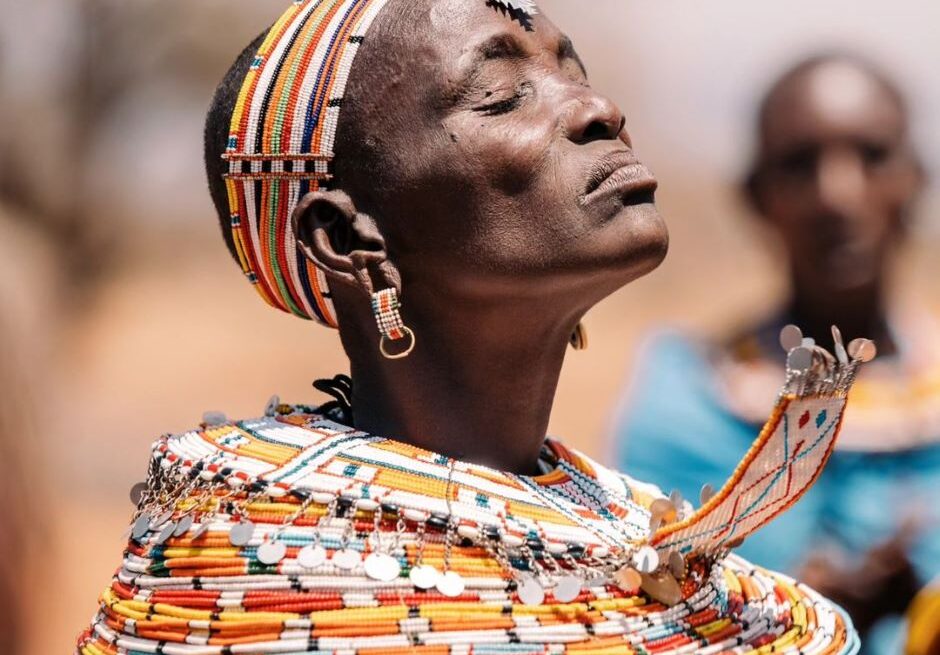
x: 507, y: 153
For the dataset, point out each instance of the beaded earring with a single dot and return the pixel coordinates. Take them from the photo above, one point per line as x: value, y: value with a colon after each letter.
x: 385, y: 307
x: 579, y: 338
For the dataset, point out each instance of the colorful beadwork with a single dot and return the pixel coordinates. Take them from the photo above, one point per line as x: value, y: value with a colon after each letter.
x: 281, y: 144
x: 293, y: 533
x: 385, y: 306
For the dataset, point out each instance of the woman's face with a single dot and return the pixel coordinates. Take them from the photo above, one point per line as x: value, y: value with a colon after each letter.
x: 494, y: 168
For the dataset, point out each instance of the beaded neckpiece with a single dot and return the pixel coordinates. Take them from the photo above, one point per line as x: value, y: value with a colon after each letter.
x: 292, y: 533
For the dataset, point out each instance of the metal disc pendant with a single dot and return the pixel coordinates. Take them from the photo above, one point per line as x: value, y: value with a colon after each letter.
x: 137, y: 492
x: 530, y: 591
x: 707, y: 493
x: 184, y: 525
x: 310, y: 557
x: 382, y: 567
x: 791, y: 337
x: 200, y: 531
x: 677, y: 565
x: 646, y: 560
x: 568, y: 588
x: 159, y: 521
x: 241, y: 533
x: 271, y: 552
x: 424, y: 577
x: 451, y: 584
x: 863, y: 350
x: 662, y: 587
x: 347, y: 559
x: 800, y: 359
x: 628, y: 579
x: 141, y: 527
x: 166, y: 533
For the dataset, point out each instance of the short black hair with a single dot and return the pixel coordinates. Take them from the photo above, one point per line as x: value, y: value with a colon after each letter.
x: 218, y: 127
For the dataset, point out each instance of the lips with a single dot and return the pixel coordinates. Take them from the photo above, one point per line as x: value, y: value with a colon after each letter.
x: 620, y: 175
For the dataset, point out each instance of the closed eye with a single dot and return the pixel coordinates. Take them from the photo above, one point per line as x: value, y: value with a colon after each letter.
x: 505, y: 105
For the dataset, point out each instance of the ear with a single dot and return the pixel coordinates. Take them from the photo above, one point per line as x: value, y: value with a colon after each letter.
x: 751, y: 189
x: 343, y: 243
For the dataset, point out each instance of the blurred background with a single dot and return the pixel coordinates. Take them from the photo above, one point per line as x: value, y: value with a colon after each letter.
x: 122, y: 316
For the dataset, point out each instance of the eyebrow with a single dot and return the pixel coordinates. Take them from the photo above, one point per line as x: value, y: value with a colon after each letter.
x: 507, y: 46
x: 566, y: 51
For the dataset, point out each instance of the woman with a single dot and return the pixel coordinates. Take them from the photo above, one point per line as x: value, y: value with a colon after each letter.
x: 442, y: 171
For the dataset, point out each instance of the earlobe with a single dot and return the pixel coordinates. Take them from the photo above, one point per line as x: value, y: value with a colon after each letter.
x: 343, y: 243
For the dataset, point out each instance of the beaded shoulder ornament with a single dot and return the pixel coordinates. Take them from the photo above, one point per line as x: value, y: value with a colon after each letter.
x: 293, y: 533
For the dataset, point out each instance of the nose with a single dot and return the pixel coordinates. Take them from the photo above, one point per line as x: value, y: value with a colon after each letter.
x: 594, y: 117
x: 840, y: 181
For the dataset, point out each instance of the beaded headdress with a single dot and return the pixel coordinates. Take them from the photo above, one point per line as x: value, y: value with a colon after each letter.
x: 281, y: 141
x: 281, y: 144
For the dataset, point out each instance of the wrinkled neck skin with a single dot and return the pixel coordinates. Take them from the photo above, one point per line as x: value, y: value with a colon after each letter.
x: 858, y: 312
x: 479, y: 385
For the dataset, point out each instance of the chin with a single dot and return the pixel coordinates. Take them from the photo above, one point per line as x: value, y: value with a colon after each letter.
x: 637, y: 239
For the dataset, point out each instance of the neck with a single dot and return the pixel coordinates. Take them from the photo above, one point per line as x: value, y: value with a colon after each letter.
x: 859, y: 312
x: 478, y: 387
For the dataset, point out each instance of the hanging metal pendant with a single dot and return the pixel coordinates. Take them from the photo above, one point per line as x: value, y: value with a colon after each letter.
x: 424, y: 577
x: 663, y: 587
x: 568, y: 588
x: 646, y: 559
x: 706, y: 494
x: 677, y: 565
x: 201, y: 530
x: 451, y: 584
x: 531, y: 591
x: 137, y: 492
x: 164, y: 535
x: 628, y: 579
x: 184, y: 525
x: 141, y: 527
x: 382, y: 567
x: 271, y: 552
x: 241, y: 533
x: 347, y: 559
x: 158, y: 522
x: 791, y: 337
x: 310, y: 556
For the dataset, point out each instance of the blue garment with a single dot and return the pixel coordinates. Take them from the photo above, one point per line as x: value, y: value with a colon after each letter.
x: 674, y: 432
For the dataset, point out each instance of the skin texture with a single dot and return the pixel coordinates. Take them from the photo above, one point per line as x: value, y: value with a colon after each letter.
x: 467, y: 152
x: 836, y: 177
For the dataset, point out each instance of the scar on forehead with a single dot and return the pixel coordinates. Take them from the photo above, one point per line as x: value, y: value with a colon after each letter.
x: 521, y: 11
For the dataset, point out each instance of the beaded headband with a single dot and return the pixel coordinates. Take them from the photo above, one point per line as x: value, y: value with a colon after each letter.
x: 281, y: 144
x: 281, y: 141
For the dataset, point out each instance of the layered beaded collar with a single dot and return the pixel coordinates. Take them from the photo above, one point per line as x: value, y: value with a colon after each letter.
x: 317, y: 482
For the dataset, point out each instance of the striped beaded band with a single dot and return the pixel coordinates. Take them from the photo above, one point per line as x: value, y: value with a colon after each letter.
x: 281, y: 145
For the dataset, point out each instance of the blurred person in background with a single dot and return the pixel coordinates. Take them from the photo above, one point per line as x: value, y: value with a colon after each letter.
x: 835, y: 178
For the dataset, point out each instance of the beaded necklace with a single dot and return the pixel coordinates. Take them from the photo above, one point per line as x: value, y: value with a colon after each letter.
x: 292, y: 533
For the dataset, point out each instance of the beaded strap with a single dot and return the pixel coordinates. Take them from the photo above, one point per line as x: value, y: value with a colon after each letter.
x: 281, y: 145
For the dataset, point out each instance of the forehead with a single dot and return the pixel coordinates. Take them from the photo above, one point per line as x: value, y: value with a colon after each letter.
x: 832, y: 101
x: 446, y: 35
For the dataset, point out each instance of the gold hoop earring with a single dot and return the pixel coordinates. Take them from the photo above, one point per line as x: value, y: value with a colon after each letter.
x: 385, y: 307
x: 579, y: 338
